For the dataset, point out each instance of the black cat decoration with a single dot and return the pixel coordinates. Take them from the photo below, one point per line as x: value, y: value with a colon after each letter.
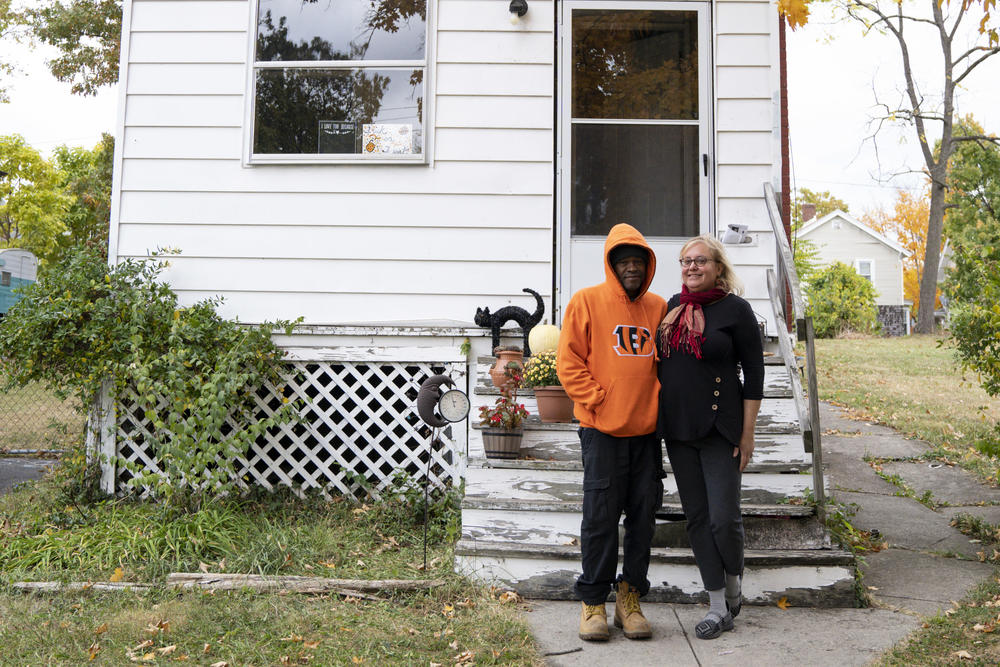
x: 525, y: 320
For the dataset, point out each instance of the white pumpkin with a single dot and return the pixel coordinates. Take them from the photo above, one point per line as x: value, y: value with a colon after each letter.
x: 543, y: 338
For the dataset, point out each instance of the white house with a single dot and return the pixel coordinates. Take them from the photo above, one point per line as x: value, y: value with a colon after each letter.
x: 383, y: 168
x: 840, y: 237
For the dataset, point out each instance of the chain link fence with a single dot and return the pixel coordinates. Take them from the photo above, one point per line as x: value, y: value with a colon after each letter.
x: 34, y: 419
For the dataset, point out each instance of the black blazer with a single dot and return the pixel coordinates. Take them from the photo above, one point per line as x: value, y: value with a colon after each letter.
x: 697, y: 394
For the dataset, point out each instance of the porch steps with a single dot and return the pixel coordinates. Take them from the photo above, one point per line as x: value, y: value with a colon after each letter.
x: 521, y: 518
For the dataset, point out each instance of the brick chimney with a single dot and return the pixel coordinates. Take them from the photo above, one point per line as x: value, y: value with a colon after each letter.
x: 808, y: 212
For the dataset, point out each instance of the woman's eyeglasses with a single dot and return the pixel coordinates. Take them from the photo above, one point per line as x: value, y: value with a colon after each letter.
x: 698, y: 261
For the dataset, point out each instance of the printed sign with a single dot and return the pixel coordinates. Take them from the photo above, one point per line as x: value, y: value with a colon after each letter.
x: 392, y: 138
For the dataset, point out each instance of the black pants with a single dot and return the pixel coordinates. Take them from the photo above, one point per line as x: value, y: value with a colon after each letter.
x: 708, y: 480
x: 619, y: 475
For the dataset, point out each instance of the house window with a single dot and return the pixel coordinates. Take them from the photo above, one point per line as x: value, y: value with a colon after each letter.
x: 4, y: 278
x: 866, y: 269
x: 339, y: 81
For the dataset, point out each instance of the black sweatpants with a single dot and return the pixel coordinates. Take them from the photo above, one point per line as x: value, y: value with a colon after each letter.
x: 619, y: 475
x: 708, y: 480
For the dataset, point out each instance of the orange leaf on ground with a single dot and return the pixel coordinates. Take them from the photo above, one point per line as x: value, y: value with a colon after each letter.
x: 118, y: 575
x: 783, y: 603
x: 101, y: 629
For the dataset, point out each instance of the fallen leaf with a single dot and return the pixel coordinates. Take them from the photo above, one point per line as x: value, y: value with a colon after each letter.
x: 167, y: 650
x: 204, y: 567
x: 311, y: 645
x: 964, y: 655
x: 285, y: 660
x: 221, y: 663
x: 206, y: 648
x: 343, y: 629
x: 94, y: 648
x: 145, y: 644
x: 411, y: 631
x: 949, y: 612
x: 783, y: 603
x: 510, y: 597
x: 118, y: 575
x: 101, y: 629
x: 291, y: 638
x: 356, y: 660
x: 149, y: 656
x: 326, y: 564
x: 454, y: 645
x: 464, y: 657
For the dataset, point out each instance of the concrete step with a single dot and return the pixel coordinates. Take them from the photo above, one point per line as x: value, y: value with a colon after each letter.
x: 547, y: 450
x: 763, y: 527
x: 556, y: 486
x: 806, y: 578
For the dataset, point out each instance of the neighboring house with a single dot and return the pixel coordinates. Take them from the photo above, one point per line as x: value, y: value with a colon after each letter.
x: 840, y: 237
x: 18, y: 268
x: 383, y: 168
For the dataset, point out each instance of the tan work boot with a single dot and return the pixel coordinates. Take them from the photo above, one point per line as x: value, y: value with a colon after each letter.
x: 628, y: 615
x: 594, y: 623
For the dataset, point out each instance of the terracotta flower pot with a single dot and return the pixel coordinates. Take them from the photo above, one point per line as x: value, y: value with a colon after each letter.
x: 554, y: 406
x: 502, y: 443
x: 503, y: 358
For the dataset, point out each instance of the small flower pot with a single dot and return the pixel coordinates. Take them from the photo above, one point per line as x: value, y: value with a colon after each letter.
x: 502, y: 443
x: 503, y: 358
x: 554, y: 406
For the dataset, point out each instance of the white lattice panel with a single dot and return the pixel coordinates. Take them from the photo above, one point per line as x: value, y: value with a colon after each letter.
x: 359, y: 423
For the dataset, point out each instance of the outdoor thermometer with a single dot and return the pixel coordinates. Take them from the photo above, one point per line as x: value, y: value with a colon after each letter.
x: 452, y: 405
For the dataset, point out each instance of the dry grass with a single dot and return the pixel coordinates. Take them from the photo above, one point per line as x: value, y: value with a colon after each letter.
x: 913, y: 385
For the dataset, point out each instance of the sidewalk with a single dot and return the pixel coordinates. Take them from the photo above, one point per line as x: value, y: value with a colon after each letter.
x: 918, y: 575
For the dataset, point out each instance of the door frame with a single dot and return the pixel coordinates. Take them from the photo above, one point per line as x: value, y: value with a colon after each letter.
x: 563, y: 129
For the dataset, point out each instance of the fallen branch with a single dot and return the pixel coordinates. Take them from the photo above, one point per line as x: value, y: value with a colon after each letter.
x: 267, y: 583
x: 57, y: 586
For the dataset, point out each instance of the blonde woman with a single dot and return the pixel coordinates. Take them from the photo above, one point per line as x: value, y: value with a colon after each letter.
x: 707, y: 416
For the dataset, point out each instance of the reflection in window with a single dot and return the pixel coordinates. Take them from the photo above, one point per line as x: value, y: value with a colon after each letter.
x: 339, y: 78
x: 4, y: 278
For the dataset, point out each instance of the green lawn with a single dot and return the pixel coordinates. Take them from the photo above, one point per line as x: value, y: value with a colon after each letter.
x: 33, y: 417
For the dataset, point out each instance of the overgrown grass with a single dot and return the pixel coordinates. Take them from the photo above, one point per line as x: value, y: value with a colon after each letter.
x: 44, y: 537
x: 913, y: 385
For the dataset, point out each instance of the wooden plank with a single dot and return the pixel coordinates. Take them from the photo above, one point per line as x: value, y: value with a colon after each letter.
x: 185, y: 111
x: 446, y: 178
x: 743, y: 50
x: 269, y: 583
x: 187, y: 79
x: 59, y: 586
x: 784, y: 250
x: 189, y: 15
x: 374, y: 354
x: 510, y: 47
x: 337, y: 209
x: 310, y: 242
x: 195, y: 47
x: 183, y: 142
x: 495, y: 111
x: 495, y: 79
x: 744, y: 82
x: 492, y: 17
x: 394, y: 277
x: 501, y: 145
x: 743, y: 18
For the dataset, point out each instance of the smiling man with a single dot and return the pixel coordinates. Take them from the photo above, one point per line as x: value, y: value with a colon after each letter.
x: 607, y: 364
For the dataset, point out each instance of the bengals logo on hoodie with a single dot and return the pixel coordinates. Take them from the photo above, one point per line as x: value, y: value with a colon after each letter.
x: 632, y: 341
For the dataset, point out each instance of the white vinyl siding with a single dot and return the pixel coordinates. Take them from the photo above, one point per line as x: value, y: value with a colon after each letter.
x: 339, y: 243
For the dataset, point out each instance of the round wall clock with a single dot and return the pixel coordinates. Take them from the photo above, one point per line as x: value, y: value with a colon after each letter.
x: 452, y: 405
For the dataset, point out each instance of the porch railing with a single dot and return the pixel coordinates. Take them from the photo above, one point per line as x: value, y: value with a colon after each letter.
x: 786, y: 299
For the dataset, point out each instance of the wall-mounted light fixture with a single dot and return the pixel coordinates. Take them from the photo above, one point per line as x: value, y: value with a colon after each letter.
x: 518, y: 8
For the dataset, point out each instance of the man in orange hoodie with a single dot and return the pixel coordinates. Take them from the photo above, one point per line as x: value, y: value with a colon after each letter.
x: 607, y: 364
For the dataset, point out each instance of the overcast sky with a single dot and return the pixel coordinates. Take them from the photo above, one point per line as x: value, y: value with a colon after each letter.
x: 835, y: 77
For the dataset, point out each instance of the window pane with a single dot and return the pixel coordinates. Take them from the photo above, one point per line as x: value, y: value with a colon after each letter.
x: 645, y: 175
x: 635, y: 64
x: 371, y: 111
x: 341, y: 29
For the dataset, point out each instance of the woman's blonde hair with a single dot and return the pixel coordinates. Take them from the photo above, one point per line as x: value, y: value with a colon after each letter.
x: 727, y: 280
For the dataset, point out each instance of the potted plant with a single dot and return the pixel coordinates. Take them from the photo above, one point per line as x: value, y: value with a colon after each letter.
x: 554, y: 405
x: 505, y: 356
x: 503, y: 432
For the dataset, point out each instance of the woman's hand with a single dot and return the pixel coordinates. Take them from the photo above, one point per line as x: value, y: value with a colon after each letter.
x: 745, y: 450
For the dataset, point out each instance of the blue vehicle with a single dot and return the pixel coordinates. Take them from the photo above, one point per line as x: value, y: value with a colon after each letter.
x: 18, y: 268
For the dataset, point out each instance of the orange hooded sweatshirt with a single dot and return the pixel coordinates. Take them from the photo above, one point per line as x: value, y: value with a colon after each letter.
x: 607, y: 349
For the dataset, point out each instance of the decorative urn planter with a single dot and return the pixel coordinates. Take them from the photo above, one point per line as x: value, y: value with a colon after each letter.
x: 504, y: 356
x: 554, y: 406
x: 500, y: 443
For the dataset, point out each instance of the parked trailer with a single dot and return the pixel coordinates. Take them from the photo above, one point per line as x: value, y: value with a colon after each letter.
x: 18, y: 268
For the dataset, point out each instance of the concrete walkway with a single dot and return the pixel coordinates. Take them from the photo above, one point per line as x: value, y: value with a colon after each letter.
x: 927, y: 565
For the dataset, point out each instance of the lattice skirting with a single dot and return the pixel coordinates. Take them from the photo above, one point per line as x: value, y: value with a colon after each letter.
x: 360, y: 423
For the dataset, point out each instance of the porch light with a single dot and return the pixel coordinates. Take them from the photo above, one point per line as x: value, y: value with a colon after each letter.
x: 517, y: 9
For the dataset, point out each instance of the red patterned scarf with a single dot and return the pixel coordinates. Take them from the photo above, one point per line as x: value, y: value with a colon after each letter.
x: 684, y: 327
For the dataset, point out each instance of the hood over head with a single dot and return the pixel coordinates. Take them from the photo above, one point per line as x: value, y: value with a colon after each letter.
x: 625, y: 234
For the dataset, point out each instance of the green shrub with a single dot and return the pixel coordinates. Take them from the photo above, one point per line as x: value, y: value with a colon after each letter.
x: 974, y: 317
x: 840, y: 301
x: 192, y: 370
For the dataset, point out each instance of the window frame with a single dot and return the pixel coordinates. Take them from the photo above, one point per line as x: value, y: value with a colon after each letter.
x: 250, y: 101
x: 6, y: 278
x: 871, y: 268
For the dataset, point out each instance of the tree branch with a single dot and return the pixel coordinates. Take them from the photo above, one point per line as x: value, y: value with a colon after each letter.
x: 990, y: 53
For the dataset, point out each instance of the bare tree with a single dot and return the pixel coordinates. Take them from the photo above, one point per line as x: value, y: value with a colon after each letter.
x: 902, y: 20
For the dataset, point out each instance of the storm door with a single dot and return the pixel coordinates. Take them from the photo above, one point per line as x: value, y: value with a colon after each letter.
x: 635, y: 97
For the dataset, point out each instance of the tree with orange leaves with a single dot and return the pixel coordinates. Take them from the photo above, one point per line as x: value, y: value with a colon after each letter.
x: 906, y: 224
